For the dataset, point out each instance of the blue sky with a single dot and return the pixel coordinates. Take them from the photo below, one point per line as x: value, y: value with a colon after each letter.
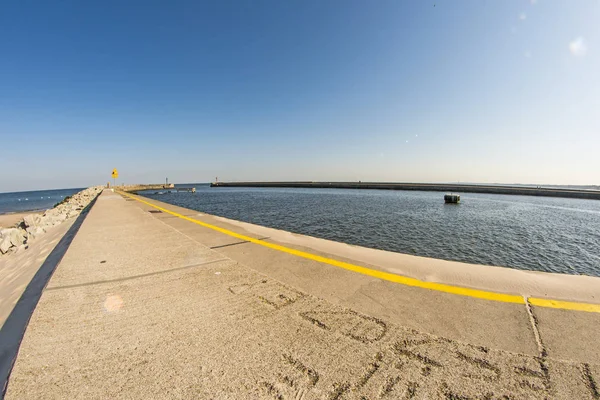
x: 438, y: 91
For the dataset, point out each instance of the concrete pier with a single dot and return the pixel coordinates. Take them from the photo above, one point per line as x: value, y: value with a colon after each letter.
x: 169, y: 187
x: 157, y: 301
x: 435, y: 187
x: 140, y: 188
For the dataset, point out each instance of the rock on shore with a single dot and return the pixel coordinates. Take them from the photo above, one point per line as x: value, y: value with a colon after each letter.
x: 34, y: 225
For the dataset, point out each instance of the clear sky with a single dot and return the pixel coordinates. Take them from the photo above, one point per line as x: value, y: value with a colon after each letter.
x: 435, y: 91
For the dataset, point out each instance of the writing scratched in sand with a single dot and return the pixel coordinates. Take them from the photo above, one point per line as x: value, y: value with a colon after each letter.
x: 383, y: 361
x: 269, y: 292
x: 349, y: 323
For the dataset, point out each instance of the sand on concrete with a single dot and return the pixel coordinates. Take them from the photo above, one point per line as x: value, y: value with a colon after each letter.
x: 191, y: 321
x: 11, y: 219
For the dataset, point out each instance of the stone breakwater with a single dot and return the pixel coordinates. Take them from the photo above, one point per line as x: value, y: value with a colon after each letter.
x: 34, y: 225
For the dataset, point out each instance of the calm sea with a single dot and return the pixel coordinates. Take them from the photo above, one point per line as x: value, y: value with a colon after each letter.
x: 530, y: 233
x: 32, y: 201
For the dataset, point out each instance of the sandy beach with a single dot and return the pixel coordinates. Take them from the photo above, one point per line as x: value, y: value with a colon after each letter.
x: 11, y: 219
x: 16, y: 270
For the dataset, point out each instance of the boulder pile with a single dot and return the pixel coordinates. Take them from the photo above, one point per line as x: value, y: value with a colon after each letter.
x: 34, y: 225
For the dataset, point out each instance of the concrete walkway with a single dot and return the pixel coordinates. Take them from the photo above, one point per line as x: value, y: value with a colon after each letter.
x: 148, y: 305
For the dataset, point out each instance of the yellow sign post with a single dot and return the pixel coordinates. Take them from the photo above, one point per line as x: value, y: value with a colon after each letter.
x: 115, y: 175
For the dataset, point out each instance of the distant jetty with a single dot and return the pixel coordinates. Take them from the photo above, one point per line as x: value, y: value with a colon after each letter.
x: 142, y: 187
x: 156, y: 186
x: 434, y: 187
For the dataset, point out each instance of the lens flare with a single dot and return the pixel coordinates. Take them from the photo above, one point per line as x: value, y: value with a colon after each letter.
x: 113, y: 303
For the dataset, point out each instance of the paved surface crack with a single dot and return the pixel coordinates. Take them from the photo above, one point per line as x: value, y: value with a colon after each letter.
x: 236, y: 243
x: 136, y: 276
x: 229, y: 244
x: 534, y: 325
x: 591, y: 383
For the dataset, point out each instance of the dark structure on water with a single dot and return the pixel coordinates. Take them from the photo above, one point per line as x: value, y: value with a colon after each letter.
x: 436, y: 187
x: 452, y: 198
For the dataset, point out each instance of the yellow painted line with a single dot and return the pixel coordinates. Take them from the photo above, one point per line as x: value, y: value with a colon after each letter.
x: 386, y: 276
x: 564, y: 305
